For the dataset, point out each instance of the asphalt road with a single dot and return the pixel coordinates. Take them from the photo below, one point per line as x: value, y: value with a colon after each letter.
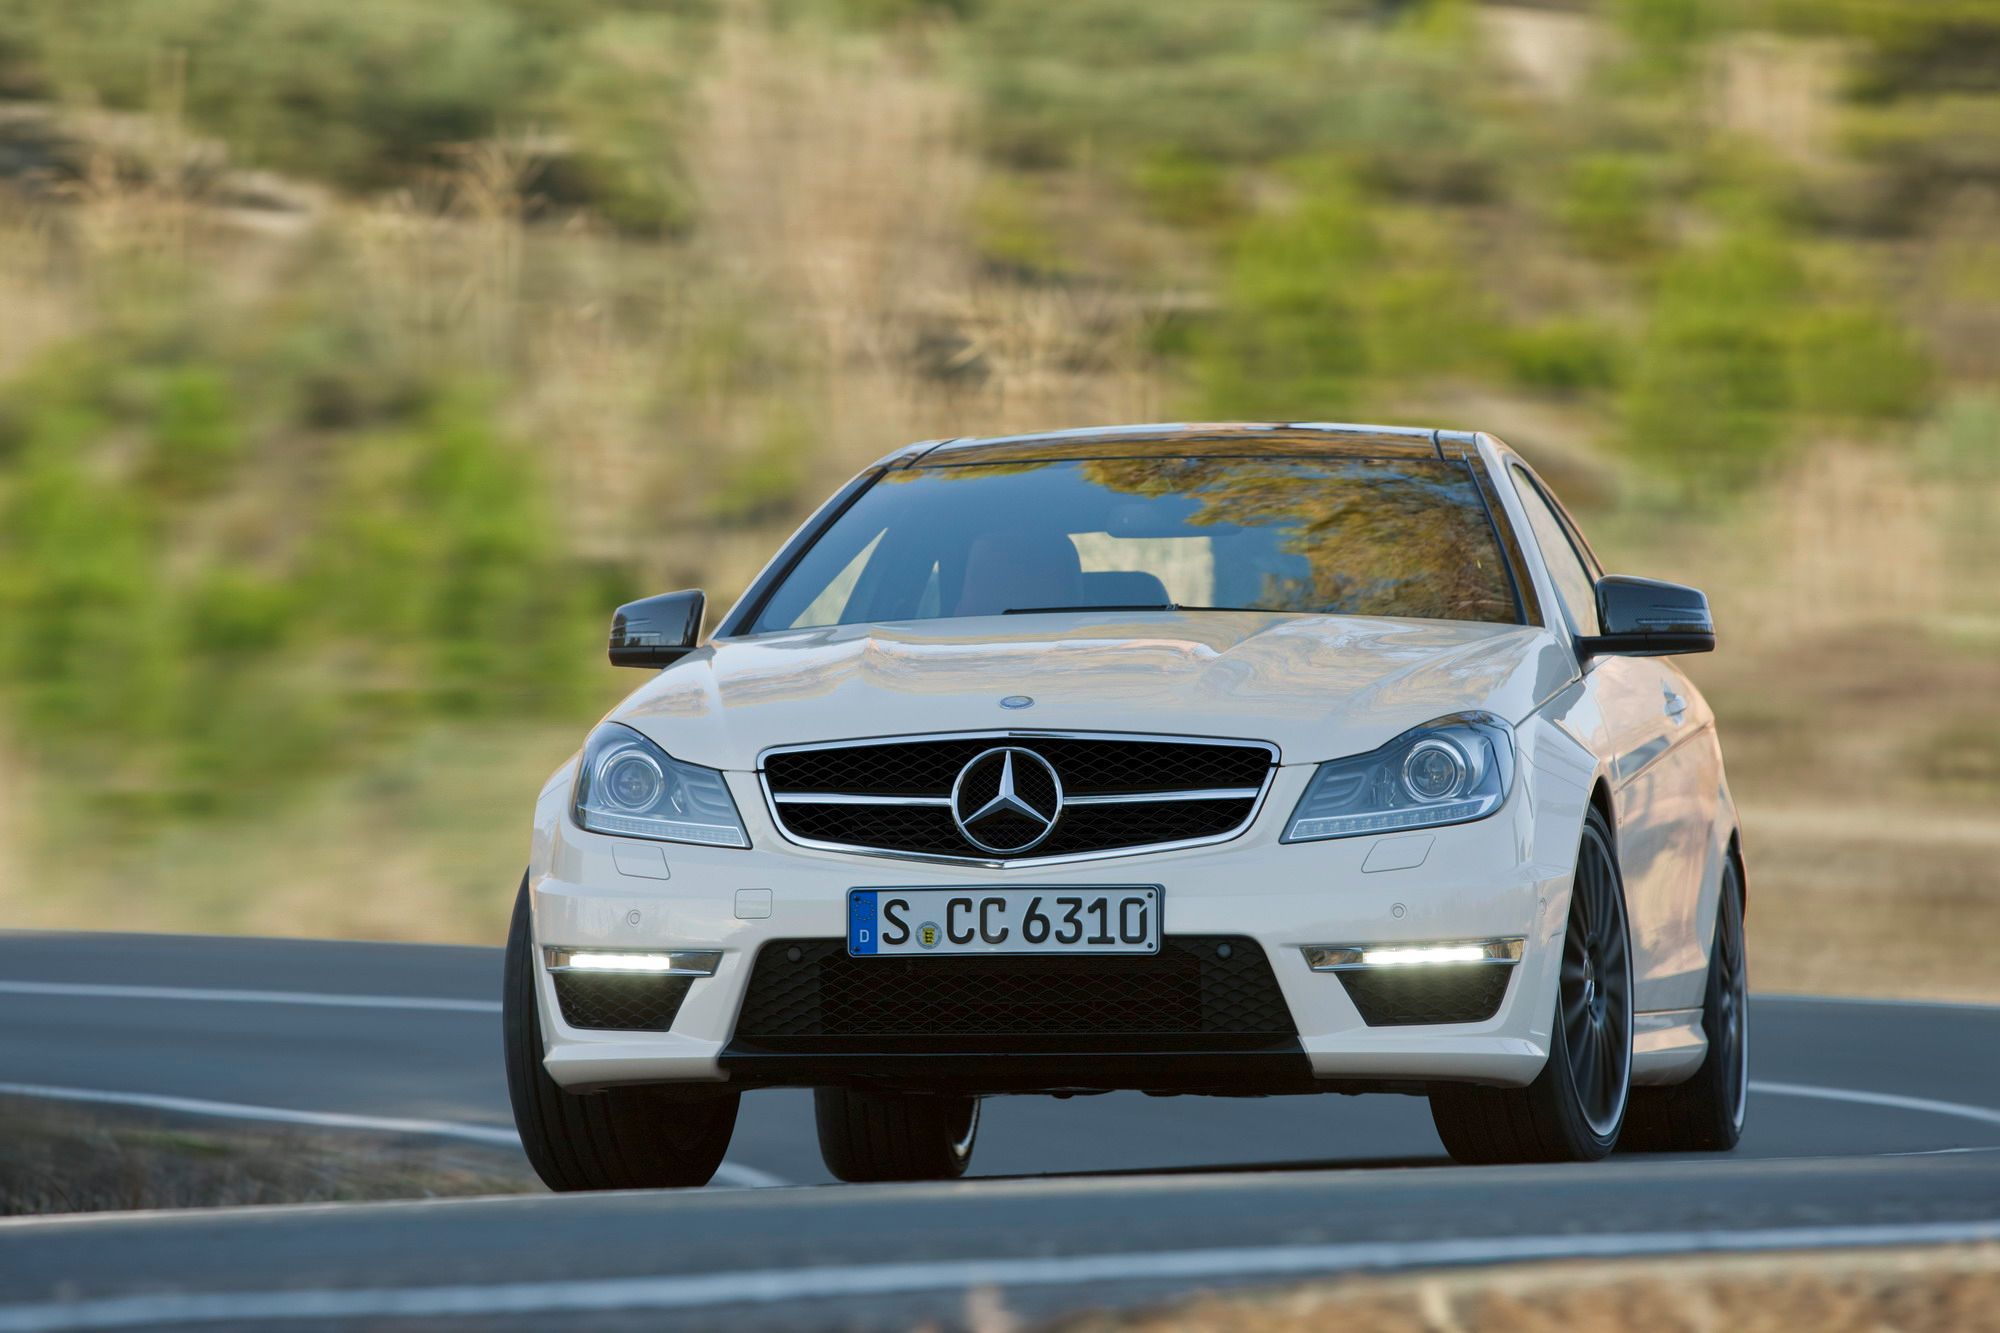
x: 1867, y: 1120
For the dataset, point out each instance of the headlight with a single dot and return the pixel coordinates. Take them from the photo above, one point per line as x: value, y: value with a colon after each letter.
x: 629, y: 786
x: 1444, y: 772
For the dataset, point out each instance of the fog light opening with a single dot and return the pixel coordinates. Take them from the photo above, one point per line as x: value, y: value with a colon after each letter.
x: 1358, y: 957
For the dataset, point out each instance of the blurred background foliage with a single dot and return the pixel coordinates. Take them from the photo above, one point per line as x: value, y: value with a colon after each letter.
x: 356, y: 356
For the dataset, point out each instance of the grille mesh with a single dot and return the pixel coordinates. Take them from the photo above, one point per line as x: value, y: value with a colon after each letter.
x: 1196, y: 987
x: 1447, y: 993
x: 1087, y: 766
x: 611, y: 1002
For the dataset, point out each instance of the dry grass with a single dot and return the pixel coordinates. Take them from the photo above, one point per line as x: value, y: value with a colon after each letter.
x: 1867, y: 766
x: 1858, y: 693
x: 58, y: 1159
x: 1911, y: 1291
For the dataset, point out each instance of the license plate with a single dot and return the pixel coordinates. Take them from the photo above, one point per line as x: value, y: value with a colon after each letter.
x: 1120, y: 919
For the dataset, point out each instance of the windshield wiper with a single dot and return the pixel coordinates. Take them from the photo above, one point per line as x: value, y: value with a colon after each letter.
x: 1118, y: 606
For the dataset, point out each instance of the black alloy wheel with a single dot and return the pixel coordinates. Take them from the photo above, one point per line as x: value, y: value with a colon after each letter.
x: 1707, y: 1113
x: 1596, y: 988
x: 1575, y: 1109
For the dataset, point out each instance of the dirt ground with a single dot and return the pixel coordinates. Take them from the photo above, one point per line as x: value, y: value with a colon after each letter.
x: 1944, y: 1290
x: 56, y: 1158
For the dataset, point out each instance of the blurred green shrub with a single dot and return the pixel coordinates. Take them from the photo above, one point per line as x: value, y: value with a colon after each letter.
x: 1856, y: 360
x: 1333, y: 293
x: 373, y: 93
x: 1710, y: 385
x: 1009, y: 232
x: 1607, y: 206
x: 1185, y: 189
x: 1225, y: 80
x: 623, y: 100
x: 162, y: 656
x: 321, y: 87
x: 1564, y: 355
x: 1289, y: 340
x: 195, y: 436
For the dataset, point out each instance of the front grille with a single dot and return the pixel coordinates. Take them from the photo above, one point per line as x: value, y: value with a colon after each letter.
x: 1447, y: 993
x: 1198, y: 992
x: 624, y: 1003
x: 894, y: 796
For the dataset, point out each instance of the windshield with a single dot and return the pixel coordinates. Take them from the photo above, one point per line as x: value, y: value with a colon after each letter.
x: 1363, y: 537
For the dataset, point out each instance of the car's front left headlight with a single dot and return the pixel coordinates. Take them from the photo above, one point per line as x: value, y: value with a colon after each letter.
x: 628, y: 786
x: 1445, y: 772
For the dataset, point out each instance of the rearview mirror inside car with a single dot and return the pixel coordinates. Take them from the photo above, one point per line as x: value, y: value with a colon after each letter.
x: 656, y: 631
x: 1648, y: 618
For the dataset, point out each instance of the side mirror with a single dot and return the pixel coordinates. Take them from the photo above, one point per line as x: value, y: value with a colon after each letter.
x: 1648, y: 618
x: 656, y: 631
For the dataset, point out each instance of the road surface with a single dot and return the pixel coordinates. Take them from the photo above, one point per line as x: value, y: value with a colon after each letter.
x: 1871, y: 1122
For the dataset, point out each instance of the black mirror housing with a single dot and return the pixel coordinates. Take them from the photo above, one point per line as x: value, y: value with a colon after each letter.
x: 657, y: 631
x: 1648, y: 618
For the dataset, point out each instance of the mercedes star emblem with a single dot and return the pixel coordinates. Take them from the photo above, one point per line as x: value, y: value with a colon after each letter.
x: 1006, y: 800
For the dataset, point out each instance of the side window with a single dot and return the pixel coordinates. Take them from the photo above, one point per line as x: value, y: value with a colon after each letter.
x: 1566, y: 564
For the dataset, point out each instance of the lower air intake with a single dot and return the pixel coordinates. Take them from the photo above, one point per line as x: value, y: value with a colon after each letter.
x: 1197, y: 993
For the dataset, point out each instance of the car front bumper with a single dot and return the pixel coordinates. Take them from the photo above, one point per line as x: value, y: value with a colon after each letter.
x: 1500, y: 877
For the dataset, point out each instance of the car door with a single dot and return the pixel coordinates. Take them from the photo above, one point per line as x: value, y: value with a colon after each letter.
x: 1639, y: 728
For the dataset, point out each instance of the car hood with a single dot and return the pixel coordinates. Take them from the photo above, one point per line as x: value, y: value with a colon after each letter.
x: 1316, y: 686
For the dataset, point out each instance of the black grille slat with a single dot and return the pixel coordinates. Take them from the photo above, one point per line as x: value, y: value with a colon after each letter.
x: 1196, y: 987
x: 1088, y: 766
x: 610, y: 1002
x: 1444, y: 993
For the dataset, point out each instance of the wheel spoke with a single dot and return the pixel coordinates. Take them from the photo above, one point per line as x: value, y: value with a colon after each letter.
x: 1583, y: 1064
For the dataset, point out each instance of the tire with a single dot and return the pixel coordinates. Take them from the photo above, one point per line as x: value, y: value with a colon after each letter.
x: 867, y: 1136
x: 1574, y: 1111
x: 1706, y: 1113
x: 619, y: 1139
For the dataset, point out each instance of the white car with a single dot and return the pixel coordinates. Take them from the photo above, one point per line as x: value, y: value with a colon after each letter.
x: 1231, y: 759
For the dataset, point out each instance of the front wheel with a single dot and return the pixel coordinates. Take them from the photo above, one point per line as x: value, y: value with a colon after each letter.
x: 895, y: 1136
x: 1575, y: 1108
x: 1706, y: 1113
x: 619, y: 1139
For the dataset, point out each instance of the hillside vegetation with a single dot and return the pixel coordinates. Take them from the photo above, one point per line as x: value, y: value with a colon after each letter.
x: 357, y: 357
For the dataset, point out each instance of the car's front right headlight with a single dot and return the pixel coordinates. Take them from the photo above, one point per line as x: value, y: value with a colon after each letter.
x: 628, y: 786
x: 1445, y: 772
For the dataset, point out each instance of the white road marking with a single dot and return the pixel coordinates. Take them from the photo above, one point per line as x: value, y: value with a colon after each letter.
x: 1879, y: 1001
x: 1984, y: 1115
x: 1184, y: 1268
x: 729, y: 1173
x: 329, y: 1000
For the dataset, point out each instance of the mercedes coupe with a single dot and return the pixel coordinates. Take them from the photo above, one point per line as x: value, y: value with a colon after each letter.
x: 1238, y: 760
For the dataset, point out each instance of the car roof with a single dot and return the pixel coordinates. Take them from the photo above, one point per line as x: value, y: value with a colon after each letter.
x: 1195, y: 439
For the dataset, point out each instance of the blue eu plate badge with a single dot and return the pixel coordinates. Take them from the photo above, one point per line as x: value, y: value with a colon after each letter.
x: 861, y: 925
